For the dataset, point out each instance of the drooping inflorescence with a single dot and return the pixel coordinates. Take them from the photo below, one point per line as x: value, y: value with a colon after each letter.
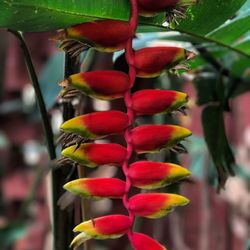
x: 110, y: 36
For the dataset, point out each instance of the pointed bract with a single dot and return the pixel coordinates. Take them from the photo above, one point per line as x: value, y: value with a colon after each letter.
x: 106, y: 227
x: 93, y: 155
x: 97, y: 124
x: 105, y: 85
x: 144, y: 242
x: 103, y: 35
x: 97, y: 187
x: 152, y: 138
x: 150, y: 101
x: 155, y: 205
x: 151, y: 62
x: 152, y: 175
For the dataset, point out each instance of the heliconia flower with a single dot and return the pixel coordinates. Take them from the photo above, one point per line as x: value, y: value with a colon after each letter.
x: 97, y: 187
x: 103, y: 35
x: 93, y: 155
x: 153, y: 101
x: 152, y: 138
x: 152, y: 175
x: 106, y: 227
x: 152, y: 7
x: 155, y: 205
x: 97, y: 124
x: 152, y: 61
x: 106, y: 84
x: 144, y: 242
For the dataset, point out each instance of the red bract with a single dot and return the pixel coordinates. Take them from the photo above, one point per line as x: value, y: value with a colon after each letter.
x: 151, y: 7
x: 151, y: 175
x: 97, y: 187
x: 93, y: 155
x: 143, y: 242
x: 97, y: 124
x: 103, y: 35
x: 106, y: 227
x: 150, y: 101
x: 151, y: 62
x: 107, y: 85
x: 152, y: 138
x: 155, y: 205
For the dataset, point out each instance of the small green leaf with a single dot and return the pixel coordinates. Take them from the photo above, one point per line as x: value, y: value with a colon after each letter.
x: 217, y: 142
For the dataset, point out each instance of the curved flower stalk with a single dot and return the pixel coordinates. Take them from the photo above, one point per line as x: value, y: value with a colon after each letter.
x: 110, y: 84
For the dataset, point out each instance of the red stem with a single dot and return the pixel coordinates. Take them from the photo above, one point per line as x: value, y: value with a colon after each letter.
x: 129, y: 53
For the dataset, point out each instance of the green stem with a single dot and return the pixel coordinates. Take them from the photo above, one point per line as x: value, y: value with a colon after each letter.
x: 33, y: 76
x: 46, y: 124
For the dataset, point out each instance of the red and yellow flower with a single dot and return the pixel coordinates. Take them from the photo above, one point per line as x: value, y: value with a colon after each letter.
x: 103, y: 35
x: 152, y: 138
x: 97, y: 187
x: 106, y: 227
x: 93, y: 155
x: 97, y: 124
x: 143, y: 242
x: 105, y: 85
x: 153, y: 101
x: 155, y: 205
x: 153, y: 61
x: 152, y: 175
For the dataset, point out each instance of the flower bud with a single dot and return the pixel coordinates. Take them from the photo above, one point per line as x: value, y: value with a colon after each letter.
x: 151, y: 62
x: 93, y: 155
x: 103, y: 35
x: 152, y: 175
x: 97, y: 124
x: 97, y: 187
x: 151, y: 7
x: 152, y: 138
x: 143, y: 242
x: 106, y: 85
x: 155, y: 205
x: 150, y: 101
x: 106, y: 227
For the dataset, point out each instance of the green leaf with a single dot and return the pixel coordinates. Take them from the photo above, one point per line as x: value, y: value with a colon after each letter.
x: 206, y: 90
x: 44, y: 15
x: 232, y: 31
x: 215, y: 136
x: 207, y: 15
x: 244, y: 45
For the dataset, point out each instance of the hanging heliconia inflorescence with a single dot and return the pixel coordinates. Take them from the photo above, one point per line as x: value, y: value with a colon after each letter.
x: 110, y: 36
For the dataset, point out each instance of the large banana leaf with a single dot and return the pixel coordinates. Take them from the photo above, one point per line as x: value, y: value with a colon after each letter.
x: 202, y: 19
